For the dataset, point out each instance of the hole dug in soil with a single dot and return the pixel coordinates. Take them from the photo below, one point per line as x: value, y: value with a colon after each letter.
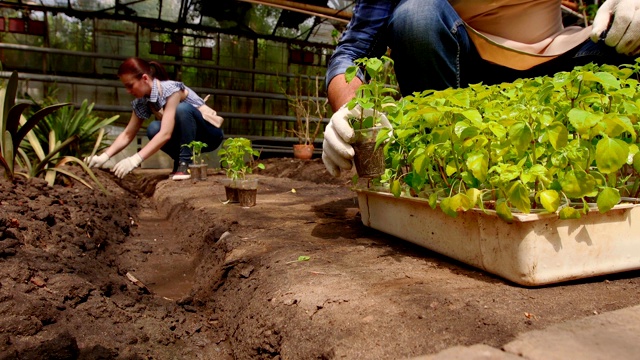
x: 162, y: 269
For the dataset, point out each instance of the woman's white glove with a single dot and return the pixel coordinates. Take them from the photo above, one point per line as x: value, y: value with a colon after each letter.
x: 123, y: 167
x: 97, y: 160
x: 624, y: 32
x: 337, y: 154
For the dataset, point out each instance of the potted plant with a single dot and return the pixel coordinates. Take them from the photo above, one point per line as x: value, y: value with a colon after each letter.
x: 535, y: 180
x: 375, y: 97
x: 198, y: 167
x: 237, y: 158
x: 309, y: 113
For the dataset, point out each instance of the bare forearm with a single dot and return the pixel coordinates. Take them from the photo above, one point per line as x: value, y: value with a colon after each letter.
x: 340, y: 92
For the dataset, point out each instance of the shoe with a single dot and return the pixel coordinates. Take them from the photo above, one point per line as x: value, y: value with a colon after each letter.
x: 182, y: 173
x: 176, y: 163
x: 174, y: 169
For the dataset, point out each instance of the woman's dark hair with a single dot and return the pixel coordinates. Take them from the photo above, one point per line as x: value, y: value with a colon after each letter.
x: 138, y: 67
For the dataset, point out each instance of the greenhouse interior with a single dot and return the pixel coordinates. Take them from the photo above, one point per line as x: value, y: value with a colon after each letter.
x: 253, y: 58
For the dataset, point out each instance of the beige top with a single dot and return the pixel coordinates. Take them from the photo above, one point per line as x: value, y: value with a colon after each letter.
x: 518, y: 33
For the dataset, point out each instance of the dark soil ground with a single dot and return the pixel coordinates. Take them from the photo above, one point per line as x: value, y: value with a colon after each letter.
x: 158, y: 269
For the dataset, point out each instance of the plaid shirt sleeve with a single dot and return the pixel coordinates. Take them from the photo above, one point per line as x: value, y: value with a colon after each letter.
x: 365, y: 36
x: 158, y: 99
x: 171, y: 87
x: 141, y: 108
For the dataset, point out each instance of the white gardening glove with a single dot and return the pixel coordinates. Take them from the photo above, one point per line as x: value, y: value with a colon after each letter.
x: 123, y: 167
x: 624, y: 31
x: 97, y: 160
x: 337, y: 154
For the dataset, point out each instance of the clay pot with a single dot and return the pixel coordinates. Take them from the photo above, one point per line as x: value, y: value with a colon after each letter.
x: 303, y: 151
x: 198, y: 172
x: 368, y: 160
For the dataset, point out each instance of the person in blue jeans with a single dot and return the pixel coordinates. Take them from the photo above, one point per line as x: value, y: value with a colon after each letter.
x: 181, y: 116
x: 437, y: 44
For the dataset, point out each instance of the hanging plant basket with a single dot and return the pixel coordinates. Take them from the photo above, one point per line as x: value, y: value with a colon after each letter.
x: 17, y: 25
x: 156, y: 47
x: 36, y: 27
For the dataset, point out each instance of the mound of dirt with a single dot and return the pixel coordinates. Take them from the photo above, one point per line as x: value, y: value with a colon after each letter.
x: 312, y: 170
x: 161, y: 269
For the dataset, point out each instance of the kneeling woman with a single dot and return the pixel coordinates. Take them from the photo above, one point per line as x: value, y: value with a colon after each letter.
x: 179, y: 119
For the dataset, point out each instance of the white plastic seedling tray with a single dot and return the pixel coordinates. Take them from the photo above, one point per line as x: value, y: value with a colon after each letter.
x: 532, y: 250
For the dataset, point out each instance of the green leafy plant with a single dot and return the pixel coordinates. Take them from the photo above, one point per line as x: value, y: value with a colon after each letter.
x: 51, y: 163
x: 62, y: 138
x: 565, y: 143
x: 69, y: 122
x: 375, y: 99
x: 196, y: 151
x: 237, y: 157
x: 335, y: 36
x: 375, y: 94
x: 300, y: 258
x: 14, y: 126
x: 588, y: 10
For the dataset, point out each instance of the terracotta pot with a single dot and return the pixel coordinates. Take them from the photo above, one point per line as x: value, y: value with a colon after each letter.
x: 198, y: 172
x: 303, y: 151
x: 368, y: 160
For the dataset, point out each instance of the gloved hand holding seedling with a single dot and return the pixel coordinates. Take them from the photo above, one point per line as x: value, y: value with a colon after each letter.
x: 365, y: 110
x: 617, y: 22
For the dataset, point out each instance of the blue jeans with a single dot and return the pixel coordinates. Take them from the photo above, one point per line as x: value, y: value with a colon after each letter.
x: 190, y: 126
x: 432, y: 50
